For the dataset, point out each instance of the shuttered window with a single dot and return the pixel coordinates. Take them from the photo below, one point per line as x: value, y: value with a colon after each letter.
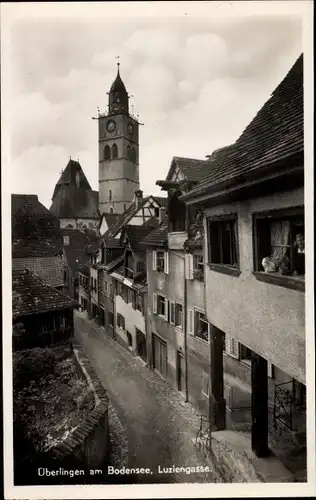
x: 166, y: 262
x: 154, y: 303
x: 172, y: 312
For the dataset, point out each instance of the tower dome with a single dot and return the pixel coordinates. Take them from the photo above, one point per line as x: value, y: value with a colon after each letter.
x: 118, y: 97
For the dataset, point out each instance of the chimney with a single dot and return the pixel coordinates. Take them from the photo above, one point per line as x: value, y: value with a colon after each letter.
x: 78, y: 179
x: 138, y: 196
x: 162, y: 214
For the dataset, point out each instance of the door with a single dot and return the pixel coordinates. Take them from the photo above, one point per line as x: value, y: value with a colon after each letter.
x: 141, y: 345
x: 181, y: 371
x: 160, y: 355
x: 102, y: 317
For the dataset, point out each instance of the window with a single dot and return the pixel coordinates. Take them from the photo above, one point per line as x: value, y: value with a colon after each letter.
x: 244, y: 354
x: 128, y: 152
x: 107, y: 153
x: 110, y: 194
x: 140, y: 266
x: 120, y: 320
x: 222, y: 238
x: 140, y: 303
x: 130, y: 294
x: 198, y: 267
x: 66, y: 240
x: 172, y: 313
x: 133, y: 155
x: 161, y: 261
x: 179, y: 315
x: 65, y: 276
x: 198, y: 325
x: 111, y: 210
x: 280, y: 243
x: 177, y: 213
x: 160, y: 306
x: 114, y: 152
x: 124, y: 207
x: 156, y: 209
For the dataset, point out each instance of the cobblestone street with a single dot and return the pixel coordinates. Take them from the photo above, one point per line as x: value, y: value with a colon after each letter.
x: 158, y: 424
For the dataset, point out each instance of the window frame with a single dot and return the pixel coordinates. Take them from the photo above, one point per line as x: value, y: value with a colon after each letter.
x: 161, y: 266
x: 178, y: 325
x: 196, y: 269
x: 290, y: 281
x: 217, y: 266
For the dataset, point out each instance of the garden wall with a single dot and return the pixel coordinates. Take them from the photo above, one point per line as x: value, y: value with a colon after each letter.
x: 89, y: 444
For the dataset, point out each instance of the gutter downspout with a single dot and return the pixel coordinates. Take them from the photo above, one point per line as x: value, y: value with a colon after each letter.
x: 185, y: 302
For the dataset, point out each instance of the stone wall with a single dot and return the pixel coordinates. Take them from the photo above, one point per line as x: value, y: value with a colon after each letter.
x: 89, y: 444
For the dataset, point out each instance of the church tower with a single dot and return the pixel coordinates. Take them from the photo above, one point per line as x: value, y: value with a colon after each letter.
x: 118, y: 152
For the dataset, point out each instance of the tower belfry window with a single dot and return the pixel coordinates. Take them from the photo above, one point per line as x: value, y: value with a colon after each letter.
x: 133, y: 157
x: 110, y: 194
x: 114, y: 151
x: 107, y: 153
x: 128, y: 152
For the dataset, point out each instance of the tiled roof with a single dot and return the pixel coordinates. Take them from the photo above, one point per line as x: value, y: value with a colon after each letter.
x: 113, y: 243
x: 75, y: 202
x: 114, y: 263
x: 194, y: 170
x: 124, y: 218
x: 158, y: 237
x: 35, y: 231
x: 84, y: 269
x: 70, y: 176
x: 276, y: 133
x: 111, y: 219
x: 79, y: 248
x: 136, y: 235
x: 32, y: 295
x: 50, y: 269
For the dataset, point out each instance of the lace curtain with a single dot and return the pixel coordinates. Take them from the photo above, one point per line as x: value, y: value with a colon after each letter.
x: 280, y: 239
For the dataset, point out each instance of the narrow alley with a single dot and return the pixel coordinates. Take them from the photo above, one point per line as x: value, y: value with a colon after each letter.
x: 159, y: 425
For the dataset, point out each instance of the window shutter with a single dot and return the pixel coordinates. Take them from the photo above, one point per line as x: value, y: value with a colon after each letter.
x: 167, y: 262
x: 172, y: 313
x: 231, y: 346
x: 209, y: 331
x: 189, y: 266
x: 154, y: 260
x: 134, y: 299
x: 190, y: 321
x: 270, y: 369
x: 154, y: 303
x: 166, y: 310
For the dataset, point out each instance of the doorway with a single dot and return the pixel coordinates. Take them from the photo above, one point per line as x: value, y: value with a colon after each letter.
x: 160, y: 355
x: 141, y: 345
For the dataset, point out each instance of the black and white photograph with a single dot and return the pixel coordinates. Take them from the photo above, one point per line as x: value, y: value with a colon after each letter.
x: 157, y: 224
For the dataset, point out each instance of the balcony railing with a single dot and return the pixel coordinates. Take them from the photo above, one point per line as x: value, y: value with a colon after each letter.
x: 176, y: 240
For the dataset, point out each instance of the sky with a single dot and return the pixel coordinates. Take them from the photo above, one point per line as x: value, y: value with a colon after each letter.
x: 196, y: 83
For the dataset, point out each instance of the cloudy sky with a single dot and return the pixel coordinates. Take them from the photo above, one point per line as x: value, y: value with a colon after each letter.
x: 197, y: 81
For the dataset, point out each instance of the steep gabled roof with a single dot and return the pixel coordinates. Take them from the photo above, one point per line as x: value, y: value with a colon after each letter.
x: 136, y: 235
x: 275, y: 134
x: 159, y: 236
x: 73, y: 175
x: 35, y: 231
x: 72, y: 202
x: 32, y: 295
x: 125, y: 217
x: 193, y: 170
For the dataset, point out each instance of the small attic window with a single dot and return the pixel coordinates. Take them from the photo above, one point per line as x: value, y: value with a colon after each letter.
x: 78, y: 179
x: 156, y: 211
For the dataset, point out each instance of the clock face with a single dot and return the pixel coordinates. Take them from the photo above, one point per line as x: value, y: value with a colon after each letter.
x: 110, y: 126
x: 130, y: 128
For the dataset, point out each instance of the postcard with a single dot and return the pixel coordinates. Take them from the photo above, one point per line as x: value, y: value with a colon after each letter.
x: 157, y: 187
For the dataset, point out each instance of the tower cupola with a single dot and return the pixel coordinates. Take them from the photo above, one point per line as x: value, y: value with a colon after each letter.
x: 118, y: 96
